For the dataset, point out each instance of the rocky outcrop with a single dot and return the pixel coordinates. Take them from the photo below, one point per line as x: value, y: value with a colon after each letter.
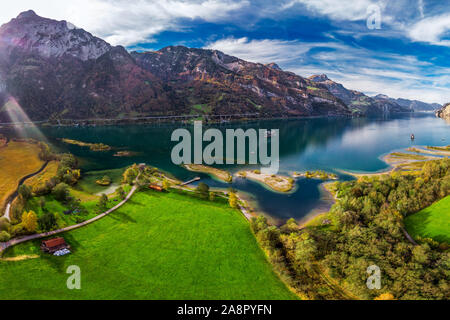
x: 444, y: 112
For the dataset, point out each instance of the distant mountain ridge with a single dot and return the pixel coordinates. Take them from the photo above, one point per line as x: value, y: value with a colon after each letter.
x: 212, y: 80
x: 57, y: 71
x: 358, y: 102
x: 411, y: 104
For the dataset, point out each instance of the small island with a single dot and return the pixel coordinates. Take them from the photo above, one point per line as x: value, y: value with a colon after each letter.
x: 92, y: 146
x: 105, y: 181
x: 319, y: 174
x: 218, y: 173
x: 124, y: 154
x: 273, y: 181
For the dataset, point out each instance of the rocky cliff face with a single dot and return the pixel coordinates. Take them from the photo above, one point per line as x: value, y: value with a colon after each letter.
x: 357, y: 101
x: 444, y: 112
x: 215, y: 82
x: 55, y: 71
x: 49, y: 38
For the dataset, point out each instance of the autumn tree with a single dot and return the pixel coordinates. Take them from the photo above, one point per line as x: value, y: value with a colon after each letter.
x: 233, y: 200
x: 29, y: 221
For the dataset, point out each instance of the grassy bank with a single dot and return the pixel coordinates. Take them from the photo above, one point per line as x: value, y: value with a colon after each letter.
x: 158, y: 246
x: 432, y: 222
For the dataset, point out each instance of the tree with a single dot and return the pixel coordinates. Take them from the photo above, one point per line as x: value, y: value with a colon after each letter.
x: 29, y: 221
x: 103, y: 202
x: 42, y: 202
x: 233, y: 200
x: 130, y: 175
x: 68, y: 160
x: 25, y: 192
x: 61, y: 191
x: 47, y: 221
x: 165, y: 185
x: 4, y: 236
x: 4, y: 224
x: 121, y: 193
x: 203, y: 189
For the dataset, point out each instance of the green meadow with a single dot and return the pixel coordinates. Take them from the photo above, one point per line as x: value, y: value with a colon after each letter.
x: 157, y: 246
x: 432, y: 222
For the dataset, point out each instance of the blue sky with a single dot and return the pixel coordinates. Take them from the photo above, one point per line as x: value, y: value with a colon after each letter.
x: 407, y: 56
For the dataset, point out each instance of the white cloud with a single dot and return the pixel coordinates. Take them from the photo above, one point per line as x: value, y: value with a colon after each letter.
x: 337, y: 9
x: 266, y: 50
x: 124, y: 22
x: 431, y: 30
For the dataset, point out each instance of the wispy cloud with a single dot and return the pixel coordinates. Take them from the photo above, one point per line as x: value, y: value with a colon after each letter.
x: 125, y: 22
x: 336, y: 9
x: 431, y: 30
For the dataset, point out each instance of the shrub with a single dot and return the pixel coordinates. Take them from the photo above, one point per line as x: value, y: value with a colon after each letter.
x: 61, y: 191
x: 47, y: 222
x: 4, y: 224
x: 25, y: 192
x: 203, y: 189
x: 4, y: 236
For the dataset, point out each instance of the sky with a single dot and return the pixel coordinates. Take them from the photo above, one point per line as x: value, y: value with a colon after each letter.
x: 400, y: 48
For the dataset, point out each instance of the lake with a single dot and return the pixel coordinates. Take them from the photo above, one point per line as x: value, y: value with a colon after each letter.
x: 330, y: 144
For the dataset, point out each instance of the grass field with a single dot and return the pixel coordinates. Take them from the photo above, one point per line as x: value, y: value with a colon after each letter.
x: 17, y: 160
x: 87, y: 183
x: 432, y: 222
x: 158, y: 246
x: 48, y: 173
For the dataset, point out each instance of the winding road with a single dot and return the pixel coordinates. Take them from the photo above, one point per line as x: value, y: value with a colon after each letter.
x: 10, y: 243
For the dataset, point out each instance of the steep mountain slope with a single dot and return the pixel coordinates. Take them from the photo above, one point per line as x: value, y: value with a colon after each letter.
x: 357, y: 101
x: 54, y: 70
x: 214, y: 82
x: 411, y: 104
x: 444, y: 112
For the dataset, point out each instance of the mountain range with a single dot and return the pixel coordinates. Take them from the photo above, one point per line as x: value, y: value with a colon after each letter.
x: 54, y: 70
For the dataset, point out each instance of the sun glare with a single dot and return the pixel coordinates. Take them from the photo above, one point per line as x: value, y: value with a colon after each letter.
x: 23, y: 126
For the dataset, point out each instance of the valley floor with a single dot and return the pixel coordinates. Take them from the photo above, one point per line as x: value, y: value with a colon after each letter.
x: 157, y: 246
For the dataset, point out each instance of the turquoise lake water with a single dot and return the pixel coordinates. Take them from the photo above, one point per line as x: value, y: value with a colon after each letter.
x: 330, y: 144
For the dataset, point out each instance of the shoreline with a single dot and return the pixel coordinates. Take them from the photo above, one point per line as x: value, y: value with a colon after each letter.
x: 220, y: 174
x: 326, y: 195
x: 186, y: 120
x: 274, y: 182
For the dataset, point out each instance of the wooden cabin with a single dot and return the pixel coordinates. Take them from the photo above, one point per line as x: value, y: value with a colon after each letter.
x: 53, y: 245
x: 155, y: 187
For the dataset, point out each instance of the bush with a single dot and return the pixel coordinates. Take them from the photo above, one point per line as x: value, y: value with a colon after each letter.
x: 25, y: 192
x: 4, y: 224
x: 203, y: 190
x: 4, y: 236
x: 18, y: 230
x: 61, y: 192
x: 47, y: 222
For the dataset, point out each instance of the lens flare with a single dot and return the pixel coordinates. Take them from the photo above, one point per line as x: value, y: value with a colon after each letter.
x: 23, y: 126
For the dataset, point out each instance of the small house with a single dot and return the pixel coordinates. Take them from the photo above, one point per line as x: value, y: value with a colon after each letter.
x: 53, y: 245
